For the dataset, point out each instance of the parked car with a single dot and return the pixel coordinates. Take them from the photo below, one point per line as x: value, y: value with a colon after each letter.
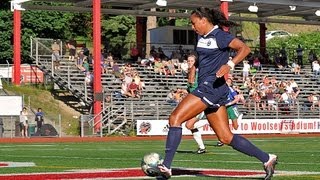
x: 276, y: 33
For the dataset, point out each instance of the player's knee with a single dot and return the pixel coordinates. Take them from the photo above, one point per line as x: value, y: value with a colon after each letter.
x: 189, y: 126
x: 174, y: 120
x: 225, y: 139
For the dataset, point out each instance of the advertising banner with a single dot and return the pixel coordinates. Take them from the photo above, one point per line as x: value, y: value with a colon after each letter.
x: 247, y: 126
x: 30, y: 74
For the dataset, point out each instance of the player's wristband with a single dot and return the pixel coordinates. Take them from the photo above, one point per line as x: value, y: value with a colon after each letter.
x: 231, y: 64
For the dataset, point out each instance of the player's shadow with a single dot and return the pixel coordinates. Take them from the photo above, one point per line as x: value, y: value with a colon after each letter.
x: 200, y: 173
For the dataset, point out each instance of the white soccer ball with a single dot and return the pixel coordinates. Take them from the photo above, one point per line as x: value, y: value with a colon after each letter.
x: 149, y: 164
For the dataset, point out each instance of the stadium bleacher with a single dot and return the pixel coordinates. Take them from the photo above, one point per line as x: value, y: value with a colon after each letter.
x: 152, y: 104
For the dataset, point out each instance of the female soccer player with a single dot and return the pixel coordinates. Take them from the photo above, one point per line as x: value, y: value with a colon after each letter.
x: 211, y: 94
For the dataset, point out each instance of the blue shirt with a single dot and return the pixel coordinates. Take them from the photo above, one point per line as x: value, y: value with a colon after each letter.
x: 213, y: 51
x: 231, y: 95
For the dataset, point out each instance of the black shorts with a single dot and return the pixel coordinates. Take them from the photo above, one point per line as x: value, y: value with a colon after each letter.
x: 212, y: 94
x: 72, y: 52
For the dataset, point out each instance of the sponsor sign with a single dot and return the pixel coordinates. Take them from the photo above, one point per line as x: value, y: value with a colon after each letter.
x: 247, y: 126
x: 29, y: 74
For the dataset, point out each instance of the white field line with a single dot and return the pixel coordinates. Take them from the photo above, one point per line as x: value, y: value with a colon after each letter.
x: 135, y: 159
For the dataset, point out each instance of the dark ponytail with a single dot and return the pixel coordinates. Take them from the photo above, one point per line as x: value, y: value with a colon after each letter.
x: 214, y: 16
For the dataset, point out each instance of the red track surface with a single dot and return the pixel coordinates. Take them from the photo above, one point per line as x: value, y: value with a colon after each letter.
x: 128, y: 173
x: 106, y: 139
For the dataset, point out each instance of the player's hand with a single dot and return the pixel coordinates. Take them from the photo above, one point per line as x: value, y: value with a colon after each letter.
x: 224, y: 69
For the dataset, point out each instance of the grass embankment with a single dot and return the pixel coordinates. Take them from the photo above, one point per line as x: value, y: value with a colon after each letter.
x: 35, y: 97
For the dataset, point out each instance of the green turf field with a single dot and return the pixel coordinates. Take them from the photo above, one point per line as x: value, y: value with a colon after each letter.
x: 295, y: 154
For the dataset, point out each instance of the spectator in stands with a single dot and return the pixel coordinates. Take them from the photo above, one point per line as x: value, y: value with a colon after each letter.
x: 85, y: 66
x: 88, y: 78
x: 273, y: 80
x: 159, y: 67
x: 153, y: 51
x: 256, y: 64
x: 134, y: 53
x: 316, y: 68
x: 39, y: 118
x: 116, y: 70
x: 170, y: 98
x: 271, y: 99
x: 299, y: 52
x: 90, y: 59
x: 55, y: 55
x: 175, y: 58
x: 308, y: 103
x: 104, y: 67
x: 124, y: 89
x: 314, y: 99
x: 285, y: 101
x: 184, y: 68
x: 72, y: 50
x: 138, y: 81
x: 170, y: 68
x: 133, y: 90
x: 283, y: 57
x: 312, y: 57
x: 109, y: 59
x: 245, y: 70
x: 295, y: 89
x: 180, y: 94
x: 107, y: 100
x: 240, y: 95
x: 162, y: 55
x: 24, y: 124
x: 81, y: 57
x: 85, y: 50
x: 147, y: 61
x: 127, y: 79
x: 295, y: 68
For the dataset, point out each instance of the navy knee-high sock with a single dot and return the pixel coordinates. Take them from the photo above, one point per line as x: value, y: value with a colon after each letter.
x: 241, y: 144
x: 173, y: 141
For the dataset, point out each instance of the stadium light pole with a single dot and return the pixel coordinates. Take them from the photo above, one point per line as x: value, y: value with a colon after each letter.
x: 97, y: 87
x: 16, y: 8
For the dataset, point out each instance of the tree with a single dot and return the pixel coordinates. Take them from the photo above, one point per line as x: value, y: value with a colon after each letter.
x: 119, y: 31
x: 40, y: 24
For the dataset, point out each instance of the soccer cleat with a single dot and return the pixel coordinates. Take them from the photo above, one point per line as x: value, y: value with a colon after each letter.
x: 165, y: 172
x: 219, y: 143
x: 269, y: 166
x: 201, y: 151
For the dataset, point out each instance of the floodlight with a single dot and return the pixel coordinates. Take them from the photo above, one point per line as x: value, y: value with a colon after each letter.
x: 317, y: 13
x: 253, y: 8
x: 292, y: 8
x: 161, y: 2
x: 16, y: 5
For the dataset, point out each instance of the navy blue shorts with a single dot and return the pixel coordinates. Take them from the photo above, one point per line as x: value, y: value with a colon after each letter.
x: 213, y: 94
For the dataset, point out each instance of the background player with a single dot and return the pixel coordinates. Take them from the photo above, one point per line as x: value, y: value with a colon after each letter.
x: 193, y: 124
x: 232, y: 108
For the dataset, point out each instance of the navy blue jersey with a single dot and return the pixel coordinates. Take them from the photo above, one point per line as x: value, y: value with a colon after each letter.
x: 213, y: 52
